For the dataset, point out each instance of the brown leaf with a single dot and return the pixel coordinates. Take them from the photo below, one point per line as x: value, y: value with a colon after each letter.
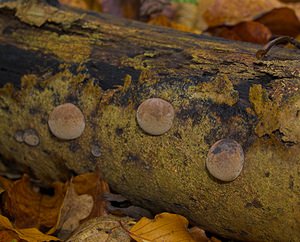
x: 103, y: 229
x: 75, y: 208
x: 5, y: 183
x: 198, y: 234
x: 30, y: 208
x: 225, y: 32
x: 8, y: 235
x: 282, y: 21
x: 92, y: 184
x: 29, y: 234
x: 296, y: 7
x: 251, y: 31
x: 231, y: 12
x: 165, y: 227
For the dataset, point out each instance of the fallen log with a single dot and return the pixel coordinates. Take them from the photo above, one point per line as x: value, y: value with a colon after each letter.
x: 51, y: 55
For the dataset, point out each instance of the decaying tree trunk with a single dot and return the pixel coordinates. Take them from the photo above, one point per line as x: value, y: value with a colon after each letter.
x: 107, y: 67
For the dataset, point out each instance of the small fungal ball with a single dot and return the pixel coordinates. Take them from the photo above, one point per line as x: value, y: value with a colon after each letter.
x: 155, y: 116
x: 31, y: 137
x: 19, y: 136
x: 225, y: 160
x: 66, y: 121
x: 96, y: 151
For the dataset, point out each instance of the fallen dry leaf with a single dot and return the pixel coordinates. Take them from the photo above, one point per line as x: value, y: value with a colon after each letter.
x: 282, y: 21
x: 165, y: 227
x: 231, y: 12
x: 28, y: 207
x: 92, y: 184
x: 251, y: 31
x: 75, y: 208
x: 212, y: 13
x: 198, y: 234
x: 103, y: 229
x: 8, y: 235
x: 296, y: 7
x: 29, y: 234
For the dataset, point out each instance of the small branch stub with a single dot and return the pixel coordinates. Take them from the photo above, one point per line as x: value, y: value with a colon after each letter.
x: 66, y: 121
x: 225, y: 160
x: 155, y: 116
x: 260, y: 54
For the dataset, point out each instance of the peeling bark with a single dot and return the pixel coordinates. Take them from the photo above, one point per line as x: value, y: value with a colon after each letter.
x: 107, y: 67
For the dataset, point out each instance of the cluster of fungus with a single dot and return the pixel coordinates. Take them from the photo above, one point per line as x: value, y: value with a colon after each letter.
x: 28, y: 136
x: 225, y: 158
x: 155, y: 116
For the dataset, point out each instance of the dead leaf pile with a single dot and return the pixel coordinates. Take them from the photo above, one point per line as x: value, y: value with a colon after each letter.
x: 30, y: 234
x: 28, y: 207
x: 76, y: 211
x: 33, y: 211
x: 255, y: 21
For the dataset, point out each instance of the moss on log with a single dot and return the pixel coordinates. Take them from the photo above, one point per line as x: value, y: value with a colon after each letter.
x: 50, y: 55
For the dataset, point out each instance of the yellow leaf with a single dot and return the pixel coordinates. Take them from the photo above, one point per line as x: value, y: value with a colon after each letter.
x: 4, y: 222
x: 165, y: 227
x: 31, y: 234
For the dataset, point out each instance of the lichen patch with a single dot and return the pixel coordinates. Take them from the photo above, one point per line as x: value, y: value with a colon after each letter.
x: 266, y: 110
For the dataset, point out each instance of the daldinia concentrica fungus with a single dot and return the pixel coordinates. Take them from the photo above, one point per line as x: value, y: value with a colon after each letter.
x: 31, y: 137
x: 66, y: 121
x: 225, y: 160
x: 155, y: 116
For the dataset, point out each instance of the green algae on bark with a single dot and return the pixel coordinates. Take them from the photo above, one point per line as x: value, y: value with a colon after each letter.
x: 218, y: 90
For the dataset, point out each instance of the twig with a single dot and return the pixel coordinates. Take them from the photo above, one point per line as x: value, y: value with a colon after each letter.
x: 260, y: 54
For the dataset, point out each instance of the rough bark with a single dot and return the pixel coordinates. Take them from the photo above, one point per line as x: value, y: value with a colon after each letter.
x: 107, y: 67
